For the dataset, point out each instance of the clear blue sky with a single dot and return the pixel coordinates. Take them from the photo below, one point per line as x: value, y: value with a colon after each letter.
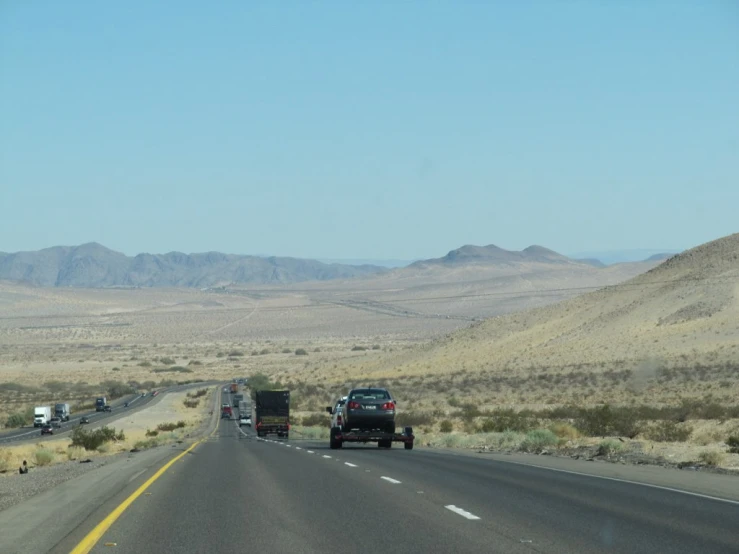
x: 380, y: 130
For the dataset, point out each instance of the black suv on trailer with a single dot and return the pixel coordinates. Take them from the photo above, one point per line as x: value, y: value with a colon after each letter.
x: 369, y: 409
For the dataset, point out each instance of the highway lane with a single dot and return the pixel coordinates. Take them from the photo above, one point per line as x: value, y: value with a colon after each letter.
x: 239, y: 492
x: 135, y: 403
x: 558, y: 510
x: 242, y: 494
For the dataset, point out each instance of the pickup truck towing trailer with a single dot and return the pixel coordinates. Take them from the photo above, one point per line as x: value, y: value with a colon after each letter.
x: 383, y: 440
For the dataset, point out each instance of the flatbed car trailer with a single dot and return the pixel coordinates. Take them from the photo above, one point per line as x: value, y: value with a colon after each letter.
x: 383, y: 440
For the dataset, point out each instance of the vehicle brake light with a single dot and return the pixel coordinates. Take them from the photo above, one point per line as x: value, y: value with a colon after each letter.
x: 338, y: 419
x: 388, y: 406
x: 354, y: 405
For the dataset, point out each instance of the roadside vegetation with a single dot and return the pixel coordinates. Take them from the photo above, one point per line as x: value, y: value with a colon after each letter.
x: 608, y: 431
x: 97, y: 438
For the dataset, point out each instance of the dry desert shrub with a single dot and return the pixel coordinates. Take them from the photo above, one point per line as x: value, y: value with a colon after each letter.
x: 712, y: 458
x: 43, y: 457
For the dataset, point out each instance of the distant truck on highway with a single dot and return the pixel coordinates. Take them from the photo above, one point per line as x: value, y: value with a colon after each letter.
x: 234, y: 388
x: 273, y: 412
x: 237, y: 400
x: 100, y: 404
x: 62, y: 411
x: 41, y: 416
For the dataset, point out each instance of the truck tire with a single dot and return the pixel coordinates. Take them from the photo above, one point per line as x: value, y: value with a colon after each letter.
x: 385, y: 443
x: 335, y: 442
x: 390, y: 427
x: 409, y: 445
x: 287, y: 436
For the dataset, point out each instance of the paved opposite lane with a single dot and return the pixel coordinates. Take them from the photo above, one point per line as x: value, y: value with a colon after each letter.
x: 236, y: 491
x: 135, y: 403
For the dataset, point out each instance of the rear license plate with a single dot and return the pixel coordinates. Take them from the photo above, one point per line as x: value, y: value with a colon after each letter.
x: 370, y: 407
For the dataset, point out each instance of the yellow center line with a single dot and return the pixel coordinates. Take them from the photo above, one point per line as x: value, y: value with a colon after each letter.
x: 92, y: 538
x: 97, y: 533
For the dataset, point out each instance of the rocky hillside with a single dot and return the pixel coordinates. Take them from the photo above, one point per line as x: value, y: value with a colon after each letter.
x: 675, y: 327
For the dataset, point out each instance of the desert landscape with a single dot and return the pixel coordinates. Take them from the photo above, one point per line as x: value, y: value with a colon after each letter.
x: 482, y: 340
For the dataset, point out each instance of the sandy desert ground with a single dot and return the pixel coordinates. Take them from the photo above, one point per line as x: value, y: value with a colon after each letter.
x: 662, y: 338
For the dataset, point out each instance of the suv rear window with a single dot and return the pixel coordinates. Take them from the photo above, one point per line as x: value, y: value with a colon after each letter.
x: 369, y: 394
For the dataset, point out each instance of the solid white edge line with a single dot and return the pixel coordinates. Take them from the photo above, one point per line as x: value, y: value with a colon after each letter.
x: 619, y: 480
x: 461, y: 512
x: 391, y: 480
x: 348, y: 464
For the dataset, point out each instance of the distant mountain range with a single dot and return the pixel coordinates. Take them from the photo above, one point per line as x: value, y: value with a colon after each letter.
x: 491, y: 254
x: 608, y: 257
x: 94, y: 265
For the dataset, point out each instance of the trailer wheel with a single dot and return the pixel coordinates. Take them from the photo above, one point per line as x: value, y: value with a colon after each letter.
x: 409, y: 445
x: 385, y: 443
x: 335, y: 443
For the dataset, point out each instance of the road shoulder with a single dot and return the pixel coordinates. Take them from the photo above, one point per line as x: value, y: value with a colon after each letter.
x: 692, y: 481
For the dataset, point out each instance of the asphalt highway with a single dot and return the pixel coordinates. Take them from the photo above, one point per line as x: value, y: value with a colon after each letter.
x: 135, y: 403
x: 235, y: 492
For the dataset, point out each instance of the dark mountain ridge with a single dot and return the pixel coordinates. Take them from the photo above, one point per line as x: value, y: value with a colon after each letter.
x: 93, y: 265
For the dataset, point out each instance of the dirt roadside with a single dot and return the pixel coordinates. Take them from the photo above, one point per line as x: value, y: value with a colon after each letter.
x: 62, y: 463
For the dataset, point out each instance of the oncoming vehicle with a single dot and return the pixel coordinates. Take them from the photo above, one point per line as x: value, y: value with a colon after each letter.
x: 108, y: 408
x: 47, y: 429
x: 84, y: 420
x: 56, y: 422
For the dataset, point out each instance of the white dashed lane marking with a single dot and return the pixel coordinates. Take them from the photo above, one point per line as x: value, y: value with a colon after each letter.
x: 451, y: 507
x: 461, y: 512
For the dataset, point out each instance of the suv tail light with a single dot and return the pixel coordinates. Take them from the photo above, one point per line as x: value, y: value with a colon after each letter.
x: 354, y: 405
x: 338, y: 419
x: 388, y: 406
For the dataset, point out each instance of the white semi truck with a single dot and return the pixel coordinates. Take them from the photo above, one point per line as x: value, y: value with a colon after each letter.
x: 41, y: 415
